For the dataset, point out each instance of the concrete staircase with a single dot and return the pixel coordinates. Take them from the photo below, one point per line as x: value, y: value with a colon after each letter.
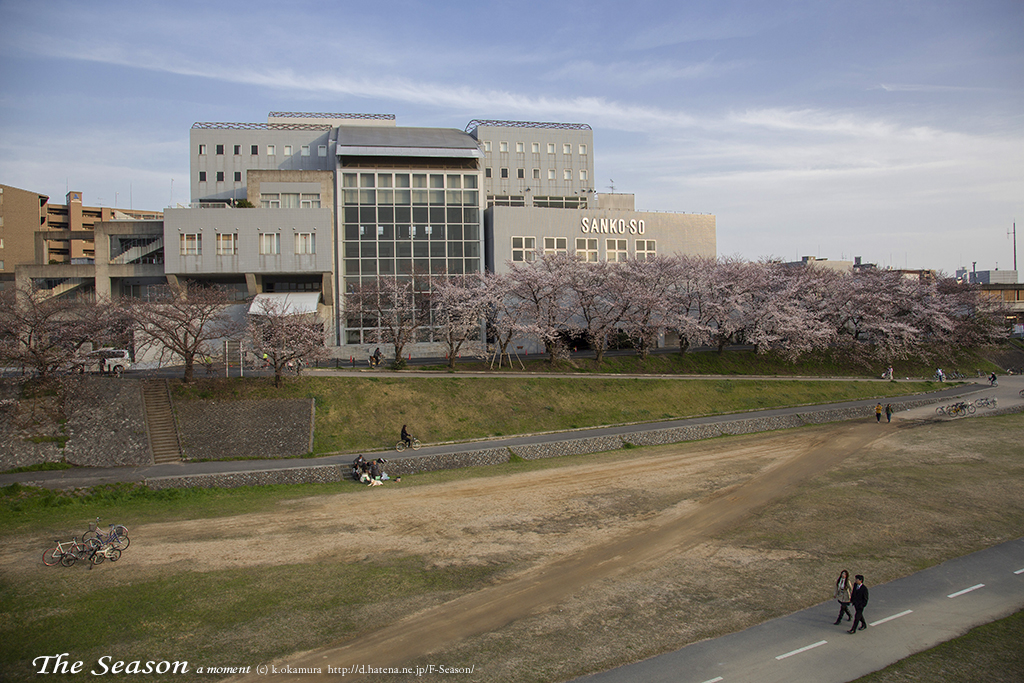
x: 163, y: 433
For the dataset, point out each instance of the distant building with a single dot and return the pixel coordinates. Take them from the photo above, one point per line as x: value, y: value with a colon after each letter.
x: 67, y: 229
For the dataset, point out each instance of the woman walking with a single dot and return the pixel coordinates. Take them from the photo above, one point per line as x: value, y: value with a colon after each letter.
x: 842, y: 594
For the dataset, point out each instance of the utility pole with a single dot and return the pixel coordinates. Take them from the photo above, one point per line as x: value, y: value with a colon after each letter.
x: 1014, y: 244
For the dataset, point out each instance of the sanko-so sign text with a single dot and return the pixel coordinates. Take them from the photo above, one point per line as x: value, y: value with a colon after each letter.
x: 612, y: 226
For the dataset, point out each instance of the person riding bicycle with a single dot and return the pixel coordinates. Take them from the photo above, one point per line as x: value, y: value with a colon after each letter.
x: 992, y: 379
x: 406, y: 437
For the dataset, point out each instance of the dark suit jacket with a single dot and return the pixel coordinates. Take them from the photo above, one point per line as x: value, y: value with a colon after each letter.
x: 859, y: 597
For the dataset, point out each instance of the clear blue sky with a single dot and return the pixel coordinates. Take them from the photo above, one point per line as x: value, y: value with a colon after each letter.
x: 888, y: 130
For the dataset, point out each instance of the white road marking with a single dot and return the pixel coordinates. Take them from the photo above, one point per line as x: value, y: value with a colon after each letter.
x: 966, y: 590
x: 803, y: 649
x: 1019, y: 571
x: 895, y: 616
x: 714, y: 680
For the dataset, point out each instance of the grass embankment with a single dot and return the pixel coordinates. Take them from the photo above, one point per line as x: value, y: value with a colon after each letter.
x: 739, y: 362
x: 989, y: 653
x: 359, y: 414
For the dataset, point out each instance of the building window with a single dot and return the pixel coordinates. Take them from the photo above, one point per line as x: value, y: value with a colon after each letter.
x: 567, y: 174
x: 238, y: 176
x: 227, y: 244
x: 305, y: 150
x: 270, y: 200
x: 287, y: 150
x: 220, y: 149
x: 503, y: 147
x: 321, y: 150
x: 583, y: 150
x: 551, y: 148
x: 615, y: 250
x: 487, y: 145
x: 583, y: 174
x: 519, y: 148
x: 191, y: 244
x: 270, y: 243
x: 524, y: 248
x: 586, y: 249
x: 202, y: 176
x: 646, y: 249
x: 271, y: 150
x: 535, y: 147
x: 521, y: 173
x: 551, y: 174
x: 567, y: 149
x: 238, y: 150
x: 305, y: 243
x: 310, y: 201
x: 254, y: 150
x: 536, y: 174
x: 555, y: 245
x: 202, y: 149
x: 504, y: 173
x: 487, y: 172
x: 220, y: 176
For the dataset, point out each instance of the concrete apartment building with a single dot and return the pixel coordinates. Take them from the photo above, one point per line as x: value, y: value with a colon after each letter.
x: 34, y: 232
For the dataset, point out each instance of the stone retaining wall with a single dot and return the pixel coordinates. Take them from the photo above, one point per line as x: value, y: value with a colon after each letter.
x: 269, y: 428
x: 554, y: 449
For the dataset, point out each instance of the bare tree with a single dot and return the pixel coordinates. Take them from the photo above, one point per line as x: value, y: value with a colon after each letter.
x: 46, y: 333
x: 285, y: 337
x: 460, y: 304
x: 182, y: 320
x: 397, y: 307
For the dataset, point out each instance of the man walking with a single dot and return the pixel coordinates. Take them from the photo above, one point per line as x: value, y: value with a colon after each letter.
x: 859, y: 598
x: 878, y: 413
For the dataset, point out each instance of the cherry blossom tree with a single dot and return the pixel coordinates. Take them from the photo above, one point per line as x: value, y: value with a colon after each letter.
x: 539, y: 287
x: 399, y: 307
x: 645, y: 287
x: 595, y: 300
x: 285, y: 337
x: 183, y: 319
x: 46, y: 333
x: 504, y: 316
x: 460, y: 304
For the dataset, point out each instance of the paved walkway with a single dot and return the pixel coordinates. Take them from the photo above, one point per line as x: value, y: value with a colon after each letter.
x: 904, y: 617
x: 1007, y: 393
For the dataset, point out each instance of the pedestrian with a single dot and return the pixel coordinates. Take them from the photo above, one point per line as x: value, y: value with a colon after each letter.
x: 878, y: 413
x: 888, y: 412
x: 859, y: 598
x: 842, y: 594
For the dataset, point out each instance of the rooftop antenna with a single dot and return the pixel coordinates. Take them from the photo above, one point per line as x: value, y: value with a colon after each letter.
x: 612, y: 186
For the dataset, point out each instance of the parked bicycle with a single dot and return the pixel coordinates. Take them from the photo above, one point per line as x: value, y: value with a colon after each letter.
x: 960, y: 409
x: 116, y: 536
x: 985, y: 402
x: 65, y: 554
x: 415, y: 445
x: 107, y: 552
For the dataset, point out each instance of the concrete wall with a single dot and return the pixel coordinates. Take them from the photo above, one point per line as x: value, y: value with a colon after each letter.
x: 527, y: 160
x: 229, y: 163
x: 674, y: 233
x: 247, y: 224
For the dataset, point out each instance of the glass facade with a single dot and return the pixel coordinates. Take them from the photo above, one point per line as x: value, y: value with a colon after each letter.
x: 400, y: 223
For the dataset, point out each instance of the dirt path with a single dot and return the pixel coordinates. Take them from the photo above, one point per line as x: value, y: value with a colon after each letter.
x: 445, y: 521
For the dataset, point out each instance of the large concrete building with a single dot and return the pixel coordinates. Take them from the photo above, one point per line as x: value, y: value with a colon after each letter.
x: 320, y: 203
